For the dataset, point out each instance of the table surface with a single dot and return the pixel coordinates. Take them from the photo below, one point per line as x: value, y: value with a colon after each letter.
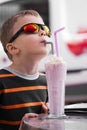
x: 68, y: 122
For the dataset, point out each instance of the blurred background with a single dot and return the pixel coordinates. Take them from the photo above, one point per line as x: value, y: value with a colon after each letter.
x: 72, y: 41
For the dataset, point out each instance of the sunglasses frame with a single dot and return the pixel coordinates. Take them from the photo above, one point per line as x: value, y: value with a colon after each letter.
x: 22, y: 30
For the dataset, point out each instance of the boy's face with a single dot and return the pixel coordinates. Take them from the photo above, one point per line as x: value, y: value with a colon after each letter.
x: 30, y: 44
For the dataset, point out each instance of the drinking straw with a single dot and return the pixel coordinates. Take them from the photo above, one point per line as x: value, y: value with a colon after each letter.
x: 56, y: 41
x: 52, y: 50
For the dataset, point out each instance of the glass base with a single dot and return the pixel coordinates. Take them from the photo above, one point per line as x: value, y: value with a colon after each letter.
x: 52, y: 116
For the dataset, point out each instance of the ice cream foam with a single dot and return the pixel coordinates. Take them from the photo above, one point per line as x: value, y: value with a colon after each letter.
x: 53, y: 59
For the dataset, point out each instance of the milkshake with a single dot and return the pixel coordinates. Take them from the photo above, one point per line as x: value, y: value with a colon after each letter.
x: 56, y: 74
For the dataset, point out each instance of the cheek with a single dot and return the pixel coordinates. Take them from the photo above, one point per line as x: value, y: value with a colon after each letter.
x: 29, y: 43
x: 32, y: 38
x: 29, y: 39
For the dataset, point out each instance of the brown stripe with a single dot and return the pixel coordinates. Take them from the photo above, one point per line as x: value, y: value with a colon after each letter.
x: 10, y: 122
x: 22, y: 89
x: 6, y: 75
x: 21, y: 105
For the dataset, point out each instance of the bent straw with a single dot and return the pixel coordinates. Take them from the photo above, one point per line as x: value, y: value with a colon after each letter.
x: 51, y: 46
x: 56, y: 42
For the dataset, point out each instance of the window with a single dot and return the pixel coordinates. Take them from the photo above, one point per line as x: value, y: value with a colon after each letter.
x: 10, y: 8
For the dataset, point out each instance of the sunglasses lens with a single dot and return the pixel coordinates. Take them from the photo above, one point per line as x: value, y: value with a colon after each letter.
x: 34, y: 28
x: 47, y: 30
x: 31, y: 28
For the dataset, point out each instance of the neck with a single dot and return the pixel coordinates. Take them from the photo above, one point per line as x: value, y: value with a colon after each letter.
x: 26, y: 67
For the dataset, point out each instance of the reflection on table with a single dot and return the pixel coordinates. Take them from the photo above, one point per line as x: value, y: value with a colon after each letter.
x: 67, y: 123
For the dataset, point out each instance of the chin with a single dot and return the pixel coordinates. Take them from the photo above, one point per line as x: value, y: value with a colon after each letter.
x: 45, y: 52
x: 42, y: 54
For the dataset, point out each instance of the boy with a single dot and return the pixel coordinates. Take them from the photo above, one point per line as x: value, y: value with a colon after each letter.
x: 22, y: 88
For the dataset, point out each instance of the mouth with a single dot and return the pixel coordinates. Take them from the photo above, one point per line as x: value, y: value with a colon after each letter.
x: 43, y: 42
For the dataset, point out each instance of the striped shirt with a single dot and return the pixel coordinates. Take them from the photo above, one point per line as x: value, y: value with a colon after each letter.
x: 19, y: 96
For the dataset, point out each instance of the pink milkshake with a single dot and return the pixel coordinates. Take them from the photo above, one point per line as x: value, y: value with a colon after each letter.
x: 56, y: 74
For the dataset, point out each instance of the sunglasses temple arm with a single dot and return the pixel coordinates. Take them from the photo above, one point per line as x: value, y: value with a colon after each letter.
x: 52, y: 49
x: 16, y: 35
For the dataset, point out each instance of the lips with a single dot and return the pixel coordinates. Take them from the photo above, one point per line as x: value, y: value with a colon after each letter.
x: 43, y: 41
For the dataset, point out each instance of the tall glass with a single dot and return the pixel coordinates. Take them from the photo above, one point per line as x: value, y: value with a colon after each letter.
x: 56, y: 74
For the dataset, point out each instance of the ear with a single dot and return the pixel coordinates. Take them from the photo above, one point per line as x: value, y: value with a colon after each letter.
x: 12, y: 49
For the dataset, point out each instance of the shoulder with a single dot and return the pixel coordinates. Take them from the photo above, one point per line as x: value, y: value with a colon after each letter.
x: 42, y: 78
x: 4, y: 73
x: 42, y: 74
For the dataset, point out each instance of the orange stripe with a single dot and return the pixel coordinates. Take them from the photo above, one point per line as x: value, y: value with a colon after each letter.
x: 9, y: 75
x: 10, y: 122
x: 22, y: 89
x: 22, y: 105
x: 6, y: 75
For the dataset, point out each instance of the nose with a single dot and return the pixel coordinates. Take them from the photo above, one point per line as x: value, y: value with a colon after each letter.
x: 42, y: 32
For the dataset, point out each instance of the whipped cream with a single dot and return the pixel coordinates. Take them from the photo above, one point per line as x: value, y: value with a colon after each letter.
x: 53, y: 59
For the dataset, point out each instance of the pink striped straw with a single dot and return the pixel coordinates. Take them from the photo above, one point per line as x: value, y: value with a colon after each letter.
x: 56, y: 41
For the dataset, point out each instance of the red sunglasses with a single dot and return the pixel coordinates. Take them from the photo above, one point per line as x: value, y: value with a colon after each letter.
x: 31, y: 28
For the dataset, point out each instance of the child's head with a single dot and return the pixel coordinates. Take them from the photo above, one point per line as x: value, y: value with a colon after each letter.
x: 13, y: 25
